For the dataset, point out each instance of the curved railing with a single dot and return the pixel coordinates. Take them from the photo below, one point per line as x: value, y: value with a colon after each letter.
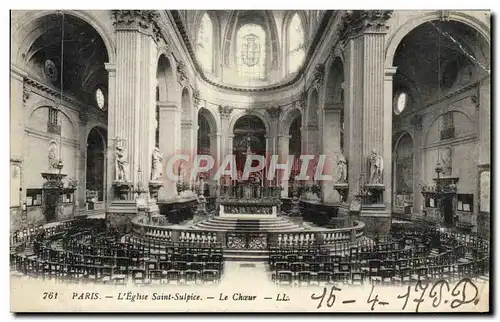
x: 247, y: 239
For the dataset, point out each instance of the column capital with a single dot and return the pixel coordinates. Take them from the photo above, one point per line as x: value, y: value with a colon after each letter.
x: 225, y: 111
x: 284, y: 136
x: 357, y: 22
x: 143, y: 21
x: 186, y: 124
x: 167, y: 106
x: 215, y: 135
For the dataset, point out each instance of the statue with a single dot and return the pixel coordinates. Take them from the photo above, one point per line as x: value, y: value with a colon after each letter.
x: 446, y: 160
x: 376, y: 168
x: 121, y: 164
x: 156, y: 164
x: 52, y: 157
x: 342, y: 169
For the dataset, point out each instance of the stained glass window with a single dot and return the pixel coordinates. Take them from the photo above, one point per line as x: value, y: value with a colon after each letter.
x: 251, y: 52
x: 204, y: 43
x: 400, y: 102
x: 296, y: 50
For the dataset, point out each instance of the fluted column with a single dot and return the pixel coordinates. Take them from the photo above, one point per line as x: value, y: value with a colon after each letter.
x: 170, y: 144
x: 110, y: 160
x: 187, y: 137
x: 368, y: 97
x: 331, y: 150
x: 135, y: 91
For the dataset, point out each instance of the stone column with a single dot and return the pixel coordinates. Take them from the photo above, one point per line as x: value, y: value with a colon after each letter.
x: 283, y: 147
x: 110, y: 160
x: 131, y: 121
x: 226, y: 137
x: 82, y: 163
x: 331, y: 149
x: 215, y: 152
x: 170, y: 144
x: 369, y: 108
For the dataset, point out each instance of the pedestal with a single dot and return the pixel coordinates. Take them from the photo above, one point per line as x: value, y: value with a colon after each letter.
x: 343, y: 190
x: 120, y: 214
x: 123, y: 189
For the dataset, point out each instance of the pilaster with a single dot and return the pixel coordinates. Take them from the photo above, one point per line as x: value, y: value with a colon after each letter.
x: 226, y: 138
x: 331, y: 149
x: 284, y: 150
x: 170, y: 143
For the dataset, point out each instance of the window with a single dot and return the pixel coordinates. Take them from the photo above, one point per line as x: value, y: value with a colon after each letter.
x: 465, y: 202
x: 251, y: 52
x: 52, y: 124
x: 33, y: 197
x: 296, y: 46
x: 100, y: 99
x: 204, y: 44
x: 448, y: 131
x: 400, y: 102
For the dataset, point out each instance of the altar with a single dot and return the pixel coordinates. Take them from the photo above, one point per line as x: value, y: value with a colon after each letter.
x: 249, y: 199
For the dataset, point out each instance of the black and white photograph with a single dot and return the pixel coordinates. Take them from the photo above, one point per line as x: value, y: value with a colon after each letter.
x: 328, y: 161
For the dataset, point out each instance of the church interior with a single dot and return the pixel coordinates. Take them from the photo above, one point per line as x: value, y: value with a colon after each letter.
x: 397, y: 101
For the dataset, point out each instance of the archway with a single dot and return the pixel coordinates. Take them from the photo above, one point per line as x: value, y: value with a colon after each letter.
x: 249, y: 137
x: 96, y: 164
x: 438, y: 62
x: 402, y: 184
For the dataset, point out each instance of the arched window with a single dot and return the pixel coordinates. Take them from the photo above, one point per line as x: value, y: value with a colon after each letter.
x: 204, y: 43
x: 296, y: 48
x: 251, y: 52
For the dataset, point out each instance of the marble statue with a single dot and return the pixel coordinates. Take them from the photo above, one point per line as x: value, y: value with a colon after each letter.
x: 342, y: 169
x: 157, y: 163
x: 376, y: 168
x: 121, y: 164
x: 446, y: 160
x: 52, y: 157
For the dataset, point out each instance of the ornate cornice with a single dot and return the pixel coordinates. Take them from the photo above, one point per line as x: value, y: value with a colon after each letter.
x: 141, y: 20
x: 356, y: 22
x: 225, y: 111
x: 179, y: 22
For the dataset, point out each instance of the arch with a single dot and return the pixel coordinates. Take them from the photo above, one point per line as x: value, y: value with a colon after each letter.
x: 209, y: 116
x: 311, y: 117
x: 242, y: 113
x: 205, y: 55
x: 186, y: 105
x: 287, y: 119
x: 166, y: 78
x: 50, y: 104
x: 334, y: 79
x: 95, y: 171
x: 400, y: 137
x: 427, y: 129
x: 403, y: 167
x: 395, y: 40
x: 27, y: 23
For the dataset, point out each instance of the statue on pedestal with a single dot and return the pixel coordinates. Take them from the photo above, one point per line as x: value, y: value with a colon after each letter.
x: 376, y: 168
x: 52, y: 156
x: 156, y: 164
x: 342, y: 169
x: 121, y: 164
